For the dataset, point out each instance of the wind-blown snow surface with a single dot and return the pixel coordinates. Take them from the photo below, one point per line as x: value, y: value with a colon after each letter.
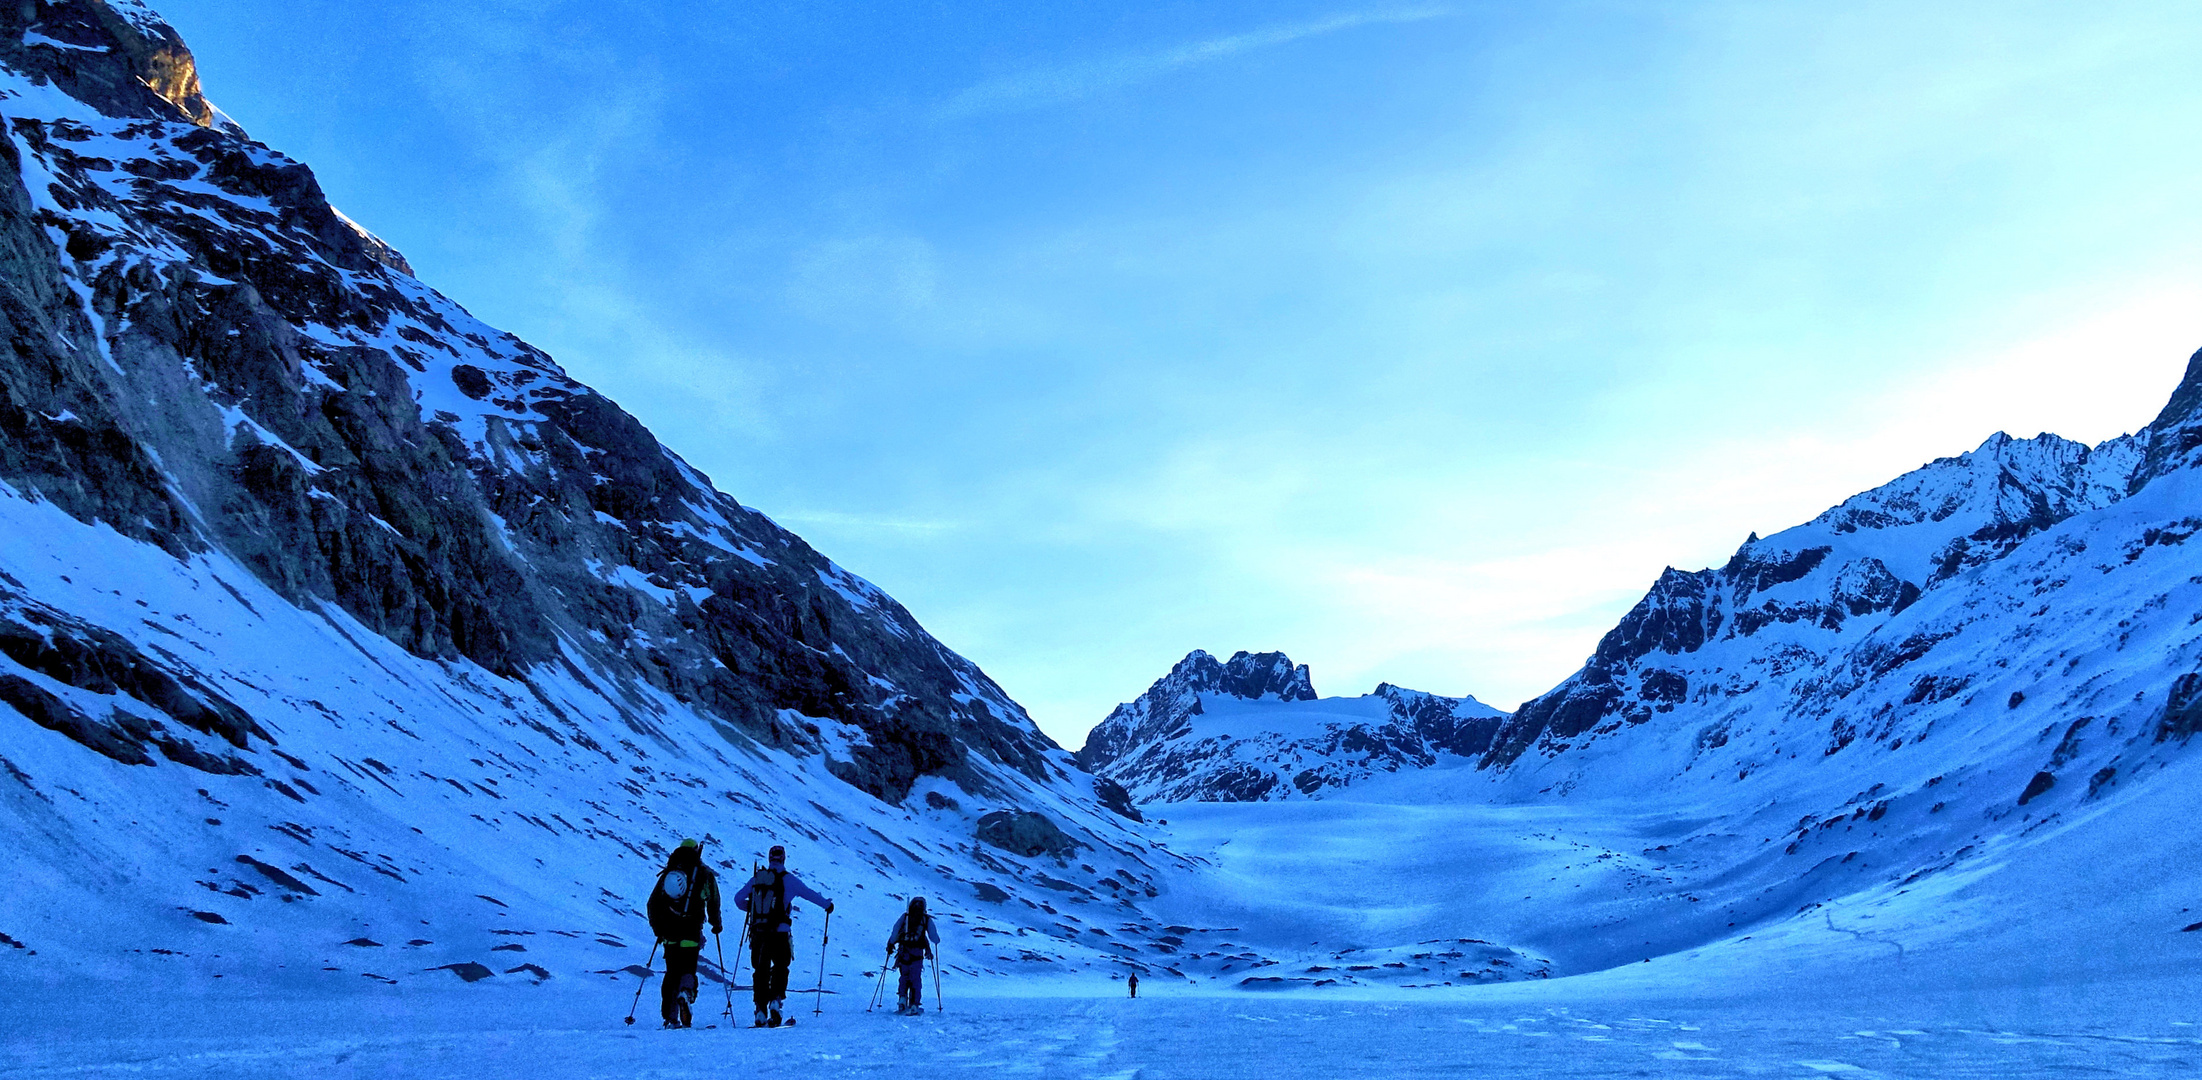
x: 2112, y: 1032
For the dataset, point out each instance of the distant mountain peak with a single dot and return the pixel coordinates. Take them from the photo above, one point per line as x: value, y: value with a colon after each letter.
x: 1252, y: 729
x: 2176, y: 434
x: 1798, y: 608
x: 1249, y: 675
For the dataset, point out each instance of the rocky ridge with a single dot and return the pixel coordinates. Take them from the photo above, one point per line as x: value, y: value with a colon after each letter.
x: 1785, y: 607
x: 1252, y: 729
x: 218, y: 360
x: 294, y: 536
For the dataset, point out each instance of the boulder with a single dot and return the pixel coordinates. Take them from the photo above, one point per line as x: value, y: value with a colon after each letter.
x: 1025, y: 832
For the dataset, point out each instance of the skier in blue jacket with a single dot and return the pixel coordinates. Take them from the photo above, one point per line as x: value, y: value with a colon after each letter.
x: 910, y: 944
x: 769, y: 899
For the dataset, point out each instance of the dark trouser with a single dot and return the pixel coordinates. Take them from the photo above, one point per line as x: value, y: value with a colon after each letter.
x: 910, y: 988
x: 680, y: 975
x: 769, y: 954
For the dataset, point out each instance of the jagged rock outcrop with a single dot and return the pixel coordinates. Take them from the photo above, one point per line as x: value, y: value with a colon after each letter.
x: 1166, y: 709
x: 203, y: 354
x: 1252, y: 729
x: 2171, y: 441
x: 1793, y: 601
x: 116, y: 56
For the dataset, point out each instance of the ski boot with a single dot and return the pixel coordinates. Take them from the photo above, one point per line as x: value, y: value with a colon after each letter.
x: 760, y: 1020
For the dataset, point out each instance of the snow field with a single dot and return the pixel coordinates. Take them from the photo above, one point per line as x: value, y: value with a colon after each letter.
x: 1541, y: 1030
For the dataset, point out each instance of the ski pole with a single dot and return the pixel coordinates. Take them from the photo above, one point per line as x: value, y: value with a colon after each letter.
x: 720, y: 941
x: 739, y: 941
x: 938, y: 1004
x: 642, y: 982
x: 878, y: 987
x: 825, y: 936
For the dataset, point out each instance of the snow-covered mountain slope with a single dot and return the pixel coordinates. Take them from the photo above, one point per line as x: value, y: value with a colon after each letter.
x: 1252, y: 729
x: 1783, y: 606
x: 1891, y: 722
x: 328, y: 612
x: 2032, y: 591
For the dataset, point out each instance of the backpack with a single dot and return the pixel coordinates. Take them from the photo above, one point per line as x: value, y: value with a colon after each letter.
x: 677, y: 901
x: 768, y: 901
x: 911, y: 943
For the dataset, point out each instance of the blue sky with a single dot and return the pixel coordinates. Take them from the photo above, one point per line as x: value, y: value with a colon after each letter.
x: 1410, y: 339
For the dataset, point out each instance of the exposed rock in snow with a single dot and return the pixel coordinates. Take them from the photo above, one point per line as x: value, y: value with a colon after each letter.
x: 302, y: 564
x: 1946, y: 680
x: 1807, y: 617
x: 1252, y: 729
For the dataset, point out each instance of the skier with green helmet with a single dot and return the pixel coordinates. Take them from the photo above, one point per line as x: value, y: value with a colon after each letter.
x: 685, y: 897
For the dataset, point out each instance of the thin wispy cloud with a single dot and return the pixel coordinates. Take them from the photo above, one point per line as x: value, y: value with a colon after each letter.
x: 1062, y: 83
x: 862, y: 523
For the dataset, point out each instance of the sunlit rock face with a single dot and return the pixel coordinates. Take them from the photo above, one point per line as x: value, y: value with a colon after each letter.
x: 1251, y: 729
x: 118, y: 57
x: 302, y: 564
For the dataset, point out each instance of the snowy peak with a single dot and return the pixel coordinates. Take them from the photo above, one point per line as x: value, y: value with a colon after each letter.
x: 1975, y: 507
x: 1164, y: 710
x: 1247, y: 676
x: 118, y: 57
x: 2172, y: 441
x: 1252, y: 730
x: 1847, y: 591
x: 1459, y: 726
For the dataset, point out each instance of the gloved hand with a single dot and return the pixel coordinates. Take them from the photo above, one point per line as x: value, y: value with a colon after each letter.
x: 715, y: 931
x: 829, y: 907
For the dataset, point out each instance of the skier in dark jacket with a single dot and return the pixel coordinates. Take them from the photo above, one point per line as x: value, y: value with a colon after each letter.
x: 910, y: 944
x: 686, y: 895
x: 769, y: 898
x: 1134, y: 980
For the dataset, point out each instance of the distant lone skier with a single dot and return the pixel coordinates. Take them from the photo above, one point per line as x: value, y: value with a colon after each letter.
x: 1134, y: 981
x: 769, y: 900
x: 687, y: 894
x: 910, y: 944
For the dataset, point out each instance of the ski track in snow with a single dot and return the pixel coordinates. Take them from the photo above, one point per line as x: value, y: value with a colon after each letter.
x: 1544, y: 1033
